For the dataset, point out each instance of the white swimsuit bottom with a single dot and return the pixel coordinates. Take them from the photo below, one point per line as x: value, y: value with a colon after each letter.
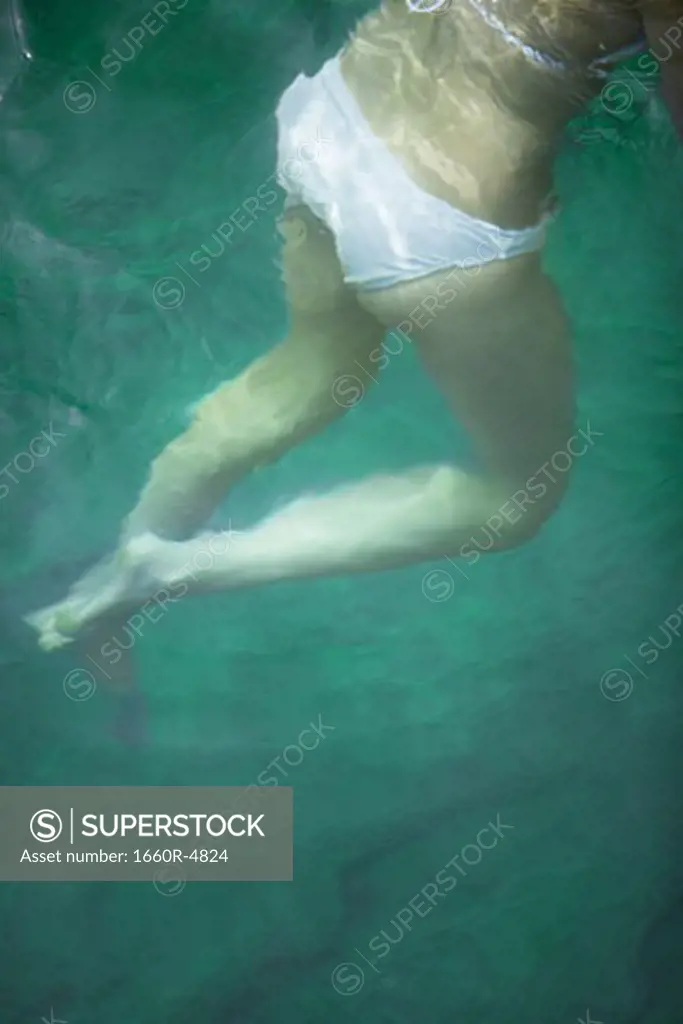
x: 387, y: 230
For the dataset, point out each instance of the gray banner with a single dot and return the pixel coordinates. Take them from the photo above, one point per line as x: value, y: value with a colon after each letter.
x: 168, y: 835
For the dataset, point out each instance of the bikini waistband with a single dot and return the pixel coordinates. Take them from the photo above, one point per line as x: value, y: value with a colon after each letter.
x: 600, y: 67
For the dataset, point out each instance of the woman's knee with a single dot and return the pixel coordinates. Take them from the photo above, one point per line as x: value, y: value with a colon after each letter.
x: 518, y: 519
x: 532, y: 505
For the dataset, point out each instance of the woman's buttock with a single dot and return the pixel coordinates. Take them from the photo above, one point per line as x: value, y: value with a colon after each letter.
x: 457, y: 298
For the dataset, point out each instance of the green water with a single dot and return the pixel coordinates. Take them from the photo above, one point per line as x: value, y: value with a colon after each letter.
x: 447, y: 706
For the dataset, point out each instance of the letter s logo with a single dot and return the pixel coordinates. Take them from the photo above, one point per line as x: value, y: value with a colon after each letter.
x: 46, y: 826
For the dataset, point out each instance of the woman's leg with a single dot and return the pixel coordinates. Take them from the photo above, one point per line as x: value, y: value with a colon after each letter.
x: 502, y: 356
x: 282, y: 398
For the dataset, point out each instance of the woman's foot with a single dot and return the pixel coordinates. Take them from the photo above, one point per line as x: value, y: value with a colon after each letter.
x: 128, y: 579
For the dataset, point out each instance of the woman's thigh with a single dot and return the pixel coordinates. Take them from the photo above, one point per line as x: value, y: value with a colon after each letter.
x: 498, y: 344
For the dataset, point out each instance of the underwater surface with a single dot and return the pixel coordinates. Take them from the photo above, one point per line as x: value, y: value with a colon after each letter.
x: 535, y: 697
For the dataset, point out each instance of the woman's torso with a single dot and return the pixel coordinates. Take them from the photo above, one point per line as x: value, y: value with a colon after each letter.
x: 471, y: 118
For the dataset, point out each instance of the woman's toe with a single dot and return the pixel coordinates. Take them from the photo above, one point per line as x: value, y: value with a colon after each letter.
x: 51, y: 640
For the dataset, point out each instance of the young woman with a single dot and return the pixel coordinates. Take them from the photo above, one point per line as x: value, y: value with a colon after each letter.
x: 423, y: 211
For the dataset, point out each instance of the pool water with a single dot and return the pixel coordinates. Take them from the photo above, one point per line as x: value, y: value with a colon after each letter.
x: 537, y: 698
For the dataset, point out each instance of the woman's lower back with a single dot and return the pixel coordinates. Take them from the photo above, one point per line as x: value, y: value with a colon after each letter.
x: 471, y: 117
